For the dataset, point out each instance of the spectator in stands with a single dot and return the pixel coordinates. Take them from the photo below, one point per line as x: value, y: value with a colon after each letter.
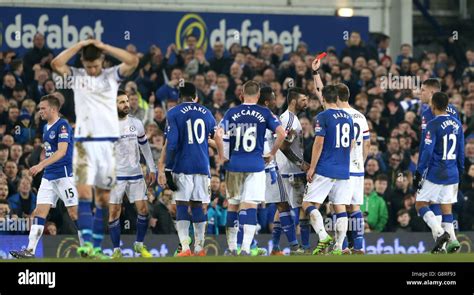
x: 403, y: 221
x: 159, y: 117
x: 374, y: 206
x: 24, y: 202
x: 38, y: 55
x: 11, y: 171
x: 161, y: 221
x: 372, y: 168
x: 4, y: 155
x: 50, y: 229
x: 169, y: 91
x: 355, y: 47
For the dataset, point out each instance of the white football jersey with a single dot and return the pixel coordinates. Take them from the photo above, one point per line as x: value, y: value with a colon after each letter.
x: 267, y: 147
x: 361, y: 133
x: 292, y: 124
x: 127, y: 151
x: 95, y: 100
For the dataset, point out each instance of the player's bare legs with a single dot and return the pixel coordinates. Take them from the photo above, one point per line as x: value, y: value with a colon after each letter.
x: 198, y: 217
x: 447, y: 224
x: 316, y: 220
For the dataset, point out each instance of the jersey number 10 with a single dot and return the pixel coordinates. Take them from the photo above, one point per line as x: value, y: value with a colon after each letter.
x: 198, y: 124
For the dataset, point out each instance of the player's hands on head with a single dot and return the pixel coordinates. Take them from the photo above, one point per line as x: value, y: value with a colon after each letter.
x: 99, y: 44
x: 86, y: 42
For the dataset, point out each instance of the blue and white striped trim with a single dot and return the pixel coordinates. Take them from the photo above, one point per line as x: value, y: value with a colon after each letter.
x: 83, y: 139
x: 281, y: 187
x: 267, y: 170
x: 129, y: 177
x: 356, y: 173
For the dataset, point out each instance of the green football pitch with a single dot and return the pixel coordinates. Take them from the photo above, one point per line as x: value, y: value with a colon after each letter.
x: 460, y: 257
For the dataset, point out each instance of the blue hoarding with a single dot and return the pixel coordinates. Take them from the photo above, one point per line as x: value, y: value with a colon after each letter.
x: 64, y: 27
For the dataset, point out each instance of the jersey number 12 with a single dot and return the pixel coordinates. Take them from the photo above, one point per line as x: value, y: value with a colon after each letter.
x: 449, y: 155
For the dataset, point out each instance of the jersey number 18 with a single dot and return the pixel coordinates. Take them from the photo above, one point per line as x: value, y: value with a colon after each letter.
x: 343, y: 135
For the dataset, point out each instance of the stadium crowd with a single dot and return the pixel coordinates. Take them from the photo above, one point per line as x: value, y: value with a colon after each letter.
x: 393, y: 115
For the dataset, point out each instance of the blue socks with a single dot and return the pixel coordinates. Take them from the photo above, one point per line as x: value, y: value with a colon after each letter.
x: 305, y: 228
x: 85, y: 220
x: 276, y: 233
x: 114, y: 229
x: 98, y: 226
x: 198, y: 214
x: 142, y: 225
x: 357, y: 230
x: 182, y: 213
x: 288, y: 227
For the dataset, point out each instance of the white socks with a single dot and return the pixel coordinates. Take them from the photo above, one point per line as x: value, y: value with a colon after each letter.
x: 449, y: 228
x: 36, y: 231
x: 232, y: 237
x: 199, y: 235
x: 433, y: 223
x: 341, y: 230
x: 317, y: 222
x: 249, y: 232
x: 183, y: 233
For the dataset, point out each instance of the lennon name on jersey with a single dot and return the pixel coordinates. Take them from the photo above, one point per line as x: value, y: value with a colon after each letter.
x: 448, y: 123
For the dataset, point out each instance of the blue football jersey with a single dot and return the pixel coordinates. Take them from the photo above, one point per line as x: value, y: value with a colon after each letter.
x: 246, y: 125
x: 426, y: 116
x: 337, y: 128
x: 443, y: 154
x: 60, y: 131
x: 189, y: 127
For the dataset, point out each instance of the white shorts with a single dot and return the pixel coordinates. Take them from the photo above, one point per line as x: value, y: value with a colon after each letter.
x: 357, y: 184
x: 338, y: 190
x: 94, y: 163
x: 437, y: 193
x: 295, y: 188
x: 135, y: 190
x: 192, y: 187
x: 51, y: 190
x: 274, y: 193
x: 245, y: 186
